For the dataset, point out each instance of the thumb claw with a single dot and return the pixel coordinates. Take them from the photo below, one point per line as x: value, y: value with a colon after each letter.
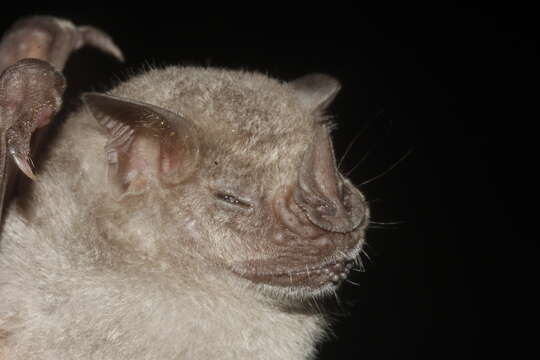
x: 23, y: 163
x: 99, y: 39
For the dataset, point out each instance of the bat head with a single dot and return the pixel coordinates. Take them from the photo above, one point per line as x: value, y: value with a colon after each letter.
x: 235, y: 170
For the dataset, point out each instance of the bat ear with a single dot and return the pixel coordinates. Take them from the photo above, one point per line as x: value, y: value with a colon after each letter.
x: 316, y: 91
x: 147, y: 144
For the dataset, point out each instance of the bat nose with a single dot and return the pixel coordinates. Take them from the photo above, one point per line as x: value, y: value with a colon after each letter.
x: 328, y: 200
x: 312, y: 216
x: 341, y: 211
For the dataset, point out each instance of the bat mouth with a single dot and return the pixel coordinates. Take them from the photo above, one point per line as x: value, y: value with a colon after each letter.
x: 313, y: 277
x: 307, y: 266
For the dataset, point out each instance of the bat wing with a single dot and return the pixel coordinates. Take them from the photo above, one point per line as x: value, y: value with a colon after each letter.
x: 32, y: 55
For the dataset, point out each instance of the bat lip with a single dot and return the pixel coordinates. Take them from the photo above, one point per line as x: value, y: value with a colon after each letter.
x: 310, y: 276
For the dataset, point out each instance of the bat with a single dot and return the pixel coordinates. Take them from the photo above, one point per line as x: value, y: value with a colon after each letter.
x: 188, y: 213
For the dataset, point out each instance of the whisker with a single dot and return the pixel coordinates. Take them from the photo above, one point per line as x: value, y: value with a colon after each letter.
x: 317, y: 306
x: 388, y: 223
x: 379, y: 227
x: 362, y: 159
x: 366, y: 126
x: 387, y: 170
x: 337, y: 300
x: 352, y: 282
x: 359, y: 265
x: 349, y: 147
x: 364, y: 252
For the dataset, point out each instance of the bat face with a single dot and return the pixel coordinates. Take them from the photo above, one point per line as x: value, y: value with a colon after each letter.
x: 181, y: 191
x: 244, y: 170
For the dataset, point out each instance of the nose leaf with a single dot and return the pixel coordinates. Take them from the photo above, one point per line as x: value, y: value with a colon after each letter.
x: 329, y: 201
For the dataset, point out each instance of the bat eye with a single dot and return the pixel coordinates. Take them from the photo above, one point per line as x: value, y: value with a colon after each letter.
x: 230, y: 199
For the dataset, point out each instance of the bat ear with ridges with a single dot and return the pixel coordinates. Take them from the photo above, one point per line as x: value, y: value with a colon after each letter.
x: 316, y: 91
x: 147, y: 144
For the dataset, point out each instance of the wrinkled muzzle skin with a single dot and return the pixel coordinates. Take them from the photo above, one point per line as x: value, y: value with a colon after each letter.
x: 319, y: 232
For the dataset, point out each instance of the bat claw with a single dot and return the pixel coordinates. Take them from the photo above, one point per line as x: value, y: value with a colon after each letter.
x: 18, y: 140
x: 30, y: 95
x: 33, y: 53
x: 51, y: 39
x: 23, y: 163
x: 100, y: 40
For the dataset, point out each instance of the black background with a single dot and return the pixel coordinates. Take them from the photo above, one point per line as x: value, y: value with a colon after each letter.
x: 456, y: 87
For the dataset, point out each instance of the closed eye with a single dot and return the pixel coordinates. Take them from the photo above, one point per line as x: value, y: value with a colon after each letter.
x: 230, y: 199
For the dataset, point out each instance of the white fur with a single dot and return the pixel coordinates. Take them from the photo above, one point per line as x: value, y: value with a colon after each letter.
x: 82, y: 277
